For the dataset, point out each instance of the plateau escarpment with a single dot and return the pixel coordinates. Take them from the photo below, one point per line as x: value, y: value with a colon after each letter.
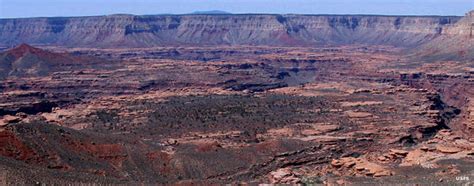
x: 274, y: 30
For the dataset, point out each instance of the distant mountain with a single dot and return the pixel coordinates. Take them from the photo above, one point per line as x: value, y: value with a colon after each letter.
x: 211, y: 12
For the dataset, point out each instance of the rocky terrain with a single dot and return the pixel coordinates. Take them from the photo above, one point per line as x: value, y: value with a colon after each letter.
x: 214, y: 99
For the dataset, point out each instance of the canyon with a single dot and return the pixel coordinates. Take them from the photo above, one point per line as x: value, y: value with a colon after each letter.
x: 242, y: 99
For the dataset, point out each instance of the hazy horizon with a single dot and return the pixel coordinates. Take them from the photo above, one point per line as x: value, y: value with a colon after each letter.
x: 61, y: 8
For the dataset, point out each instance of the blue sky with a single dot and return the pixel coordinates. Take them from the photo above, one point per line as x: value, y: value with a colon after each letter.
x: 48, y: 8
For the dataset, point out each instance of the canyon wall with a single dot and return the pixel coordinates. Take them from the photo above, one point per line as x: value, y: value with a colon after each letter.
x: 188, y: 30
x: 455, y: 43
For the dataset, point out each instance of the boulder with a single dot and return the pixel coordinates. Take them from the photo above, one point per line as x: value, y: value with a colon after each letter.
x: 283, y: 175
x: 448, y: 149
x: 397, y: 152
x: 353, y: 114
x: 10, y: 119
